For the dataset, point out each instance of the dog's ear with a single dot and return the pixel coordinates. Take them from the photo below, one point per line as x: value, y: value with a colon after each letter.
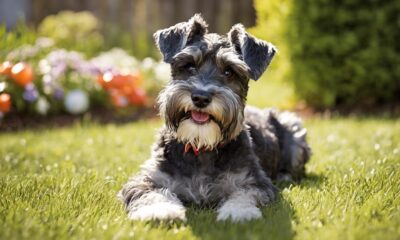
x: 171, y: 40
x: 256, y: 53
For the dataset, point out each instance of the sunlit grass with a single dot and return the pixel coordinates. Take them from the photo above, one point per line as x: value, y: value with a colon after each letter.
x: 272, y: 93
x: 62, y: 184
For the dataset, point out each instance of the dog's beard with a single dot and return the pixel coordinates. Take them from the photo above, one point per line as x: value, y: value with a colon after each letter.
x: 225, y: 115
x: 200, y: 135
x: 206, y: 135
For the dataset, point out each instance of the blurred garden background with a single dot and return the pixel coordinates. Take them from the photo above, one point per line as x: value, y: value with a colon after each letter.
x: 72, y: 71
x: 75, y: 57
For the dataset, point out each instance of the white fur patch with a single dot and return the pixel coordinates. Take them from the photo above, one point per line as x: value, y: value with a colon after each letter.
x: 160, y: 204
x: 160, y: 211
x: 206, y: 135
x: 241, y: 206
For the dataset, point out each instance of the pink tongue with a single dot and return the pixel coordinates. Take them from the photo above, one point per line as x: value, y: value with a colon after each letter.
x: 200, y: 116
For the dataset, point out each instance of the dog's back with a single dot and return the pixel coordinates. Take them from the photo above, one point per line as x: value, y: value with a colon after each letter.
x: 279, y: 140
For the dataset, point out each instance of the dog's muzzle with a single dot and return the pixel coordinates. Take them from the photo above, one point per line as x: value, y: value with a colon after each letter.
x: 203, y: 117
x: 201, y: 99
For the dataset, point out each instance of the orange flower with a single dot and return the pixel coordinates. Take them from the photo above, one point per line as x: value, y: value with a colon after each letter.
x: 138, y: 97
x: 105, y: 79
x: 123, y: 88
x: 135, y: 79
x: 22, y: 73
x: 5, y: 102
x: 5, y: 68
x: 118, y: 99
x: 119, y: 81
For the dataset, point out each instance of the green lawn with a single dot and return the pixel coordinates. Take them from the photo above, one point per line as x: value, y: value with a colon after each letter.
x: 62, y: 184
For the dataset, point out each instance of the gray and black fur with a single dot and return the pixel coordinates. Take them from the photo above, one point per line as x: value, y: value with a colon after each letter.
x: 241, y: 149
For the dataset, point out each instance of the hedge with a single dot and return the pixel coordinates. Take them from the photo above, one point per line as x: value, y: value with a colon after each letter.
x: 339, y: 53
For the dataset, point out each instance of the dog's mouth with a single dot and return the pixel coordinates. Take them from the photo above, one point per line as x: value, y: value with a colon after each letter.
x: 199, y: 117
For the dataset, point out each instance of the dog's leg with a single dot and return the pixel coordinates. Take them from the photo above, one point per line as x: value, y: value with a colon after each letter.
x: 241, y: 205
x: 245, y: 190
x: 145, y: 202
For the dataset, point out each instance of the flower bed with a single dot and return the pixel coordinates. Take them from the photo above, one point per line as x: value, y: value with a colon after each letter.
x: 47, y: 72
x: 64, y: 81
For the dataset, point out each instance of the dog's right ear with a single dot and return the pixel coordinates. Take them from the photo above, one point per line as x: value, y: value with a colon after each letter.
x: 172, y: 40
x: 256, y: 53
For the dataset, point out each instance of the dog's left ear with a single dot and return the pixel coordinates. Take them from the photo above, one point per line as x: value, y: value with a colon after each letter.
x: 172, y: 40
x: 256, y: 53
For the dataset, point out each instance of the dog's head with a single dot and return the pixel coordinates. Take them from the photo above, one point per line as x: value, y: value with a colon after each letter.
x: 204, y: 102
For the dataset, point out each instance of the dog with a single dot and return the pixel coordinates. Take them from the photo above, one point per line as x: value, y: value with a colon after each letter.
x: 212, y: 150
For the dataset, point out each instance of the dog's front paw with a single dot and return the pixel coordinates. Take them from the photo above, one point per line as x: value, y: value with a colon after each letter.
x: 239, y: 213
x: 158, y: 211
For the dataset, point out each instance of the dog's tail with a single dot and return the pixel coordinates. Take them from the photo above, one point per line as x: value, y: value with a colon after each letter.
x: 295, y: 151
x: 279, y: 141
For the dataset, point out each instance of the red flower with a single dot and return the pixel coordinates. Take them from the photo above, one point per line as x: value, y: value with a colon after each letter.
x: 5, y: 102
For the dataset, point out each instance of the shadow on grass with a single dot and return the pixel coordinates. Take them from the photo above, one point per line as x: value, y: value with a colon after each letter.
x: 311, y: 180
x: 275, y: 224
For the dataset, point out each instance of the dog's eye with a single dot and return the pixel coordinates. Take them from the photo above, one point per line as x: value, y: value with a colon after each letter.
x: 228, y: 72
x: 190, y: 67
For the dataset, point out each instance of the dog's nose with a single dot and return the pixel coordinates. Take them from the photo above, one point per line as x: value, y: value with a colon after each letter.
x: 201, y: 98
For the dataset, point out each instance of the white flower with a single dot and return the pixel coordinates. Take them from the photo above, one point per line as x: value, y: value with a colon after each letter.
x: 162, y: 72
x: 44, y: 42
x: 3, y: 86
x: 115, y: 59
x: 42, y: 106
x: 76, y: 101
x: 44, y: 66
x: 148, y: 63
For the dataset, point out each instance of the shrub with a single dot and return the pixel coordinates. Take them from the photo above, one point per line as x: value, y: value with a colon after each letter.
x: 341, y: 53
x: 9, y: 40
x: 78, y: 31
x: 271, y: 26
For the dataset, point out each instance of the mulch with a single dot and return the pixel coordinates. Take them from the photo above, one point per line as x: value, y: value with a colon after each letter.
x: 15, y: 122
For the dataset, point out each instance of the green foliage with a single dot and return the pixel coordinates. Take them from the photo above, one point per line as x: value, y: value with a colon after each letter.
x: 19, y: 36
x: 341, y: 53
x: 140, y: 45
x: 274, y: 89
x: 348, y: 53
x: 62, y: 184
x: 271, y: 17
x: 78, y: 31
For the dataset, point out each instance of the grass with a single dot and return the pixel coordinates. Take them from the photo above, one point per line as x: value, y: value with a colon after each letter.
x: 62, y: 184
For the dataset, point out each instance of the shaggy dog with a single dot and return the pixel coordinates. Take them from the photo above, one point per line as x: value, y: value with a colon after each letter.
x: 213, y: 151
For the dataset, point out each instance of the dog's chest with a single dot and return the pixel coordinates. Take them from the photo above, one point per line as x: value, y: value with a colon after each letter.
x: 205, y: 178
x: 195, y: 179
x: 201, y: 188
x: 207, y: 183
